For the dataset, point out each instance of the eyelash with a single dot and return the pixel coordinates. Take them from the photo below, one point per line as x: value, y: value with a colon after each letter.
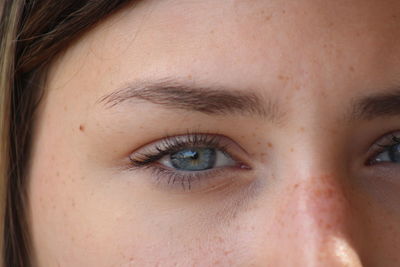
x: 173, y: 144
x: 394, y: 141
x: 385, y: 143
x: 170, y: 145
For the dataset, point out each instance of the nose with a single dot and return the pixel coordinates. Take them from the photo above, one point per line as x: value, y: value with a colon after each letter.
x: 312, y: 225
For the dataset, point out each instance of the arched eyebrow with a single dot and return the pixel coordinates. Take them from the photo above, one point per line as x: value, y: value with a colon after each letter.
x: 210, y: 100
x: 216, y: 100
x: 385, y: 104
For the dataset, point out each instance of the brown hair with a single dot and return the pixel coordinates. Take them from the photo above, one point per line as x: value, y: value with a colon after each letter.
x: 32, y: 32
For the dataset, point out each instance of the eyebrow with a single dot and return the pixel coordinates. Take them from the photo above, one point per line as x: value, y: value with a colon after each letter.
x: 384, y: 104
x: 216, y: 100
x: 210, y: 100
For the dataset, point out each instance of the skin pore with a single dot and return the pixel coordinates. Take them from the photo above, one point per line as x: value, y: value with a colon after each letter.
x: 305, y: 178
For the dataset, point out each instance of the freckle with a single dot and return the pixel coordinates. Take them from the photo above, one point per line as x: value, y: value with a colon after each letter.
x: 351, y: 68
x: 329, y: 193
x: 270, y: 145
x: 292, y: 149
x: 82, y: 128
x: 57, y: 174
x: 283, y: 77
x: 296, y: 186
x: 258, y: 143
x: 65, y: 108
x: 227, y: 252
x: 190, y: 76
x: 302, y: 129
x: 317, y: 192
x: 267, y: 18
x: 283, y: 11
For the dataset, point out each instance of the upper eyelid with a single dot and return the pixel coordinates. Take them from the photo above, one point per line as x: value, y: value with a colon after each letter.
x: 216, y: 138
x: 388, y: 139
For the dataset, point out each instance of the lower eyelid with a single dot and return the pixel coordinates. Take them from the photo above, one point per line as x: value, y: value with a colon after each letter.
x: 200, y: 181
x: 185, y: 181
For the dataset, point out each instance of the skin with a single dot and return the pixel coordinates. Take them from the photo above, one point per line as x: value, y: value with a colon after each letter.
x: 307, y: 198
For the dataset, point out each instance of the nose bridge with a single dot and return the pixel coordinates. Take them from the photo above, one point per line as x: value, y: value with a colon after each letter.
x: 318, y: 213
x: 313, y: 217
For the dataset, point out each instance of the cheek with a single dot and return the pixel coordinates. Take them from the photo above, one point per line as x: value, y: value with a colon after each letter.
x: 67, y: 224
x: 81, y: 217
x: 76, y: 226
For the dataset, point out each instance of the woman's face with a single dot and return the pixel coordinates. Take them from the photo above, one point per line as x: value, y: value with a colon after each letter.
x: 223, y: 133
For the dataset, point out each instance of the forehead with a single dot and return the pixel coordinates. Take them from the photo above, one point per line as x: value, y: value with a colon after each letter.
x: 313, y: 44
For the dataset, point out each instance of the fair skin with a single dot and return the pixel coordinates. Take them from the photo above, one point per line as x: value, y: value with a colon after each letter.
x: 306, y: 182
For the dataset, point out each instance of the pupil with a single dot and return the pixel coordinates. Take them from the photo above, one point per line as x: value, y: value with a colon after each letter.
x: 395, y: 153
x: 194, y: 159
x: 195, y: 155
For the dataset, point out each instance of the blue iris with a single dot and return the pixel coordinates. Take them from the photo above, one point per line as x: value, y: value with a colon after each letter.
x: 394, y: 153
x: 194, y: 159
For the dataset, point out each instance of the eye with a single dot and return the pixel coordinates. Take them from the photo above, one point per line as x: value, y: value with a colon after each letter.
x: 206, y: 159
x: 197, y: 159
x: 389, y: 151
